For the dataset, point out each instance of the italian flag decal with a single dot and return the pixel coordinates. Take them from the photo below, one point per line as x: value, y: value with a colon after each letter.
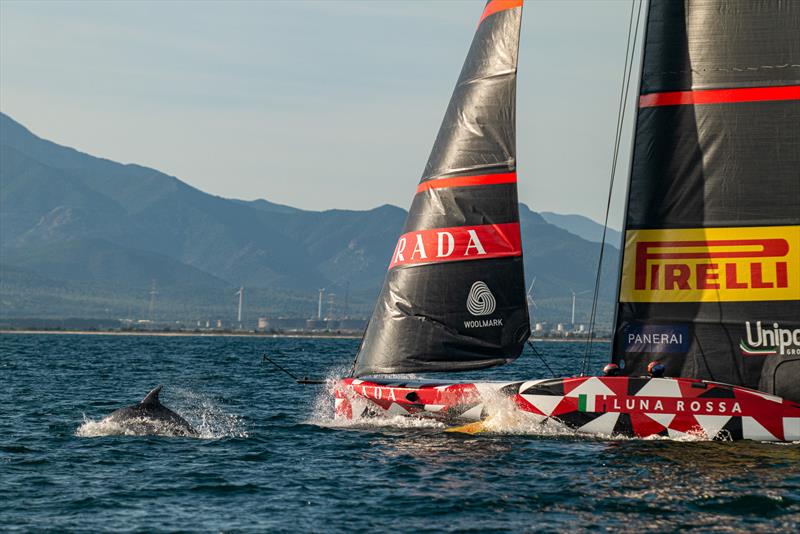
x: 747, y: 350
x: 586, y: 403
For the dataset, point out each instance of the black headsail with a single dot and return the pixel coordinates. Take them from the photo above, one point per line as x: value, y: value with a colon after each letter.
x: 454, y: 296
x: 710, y: 282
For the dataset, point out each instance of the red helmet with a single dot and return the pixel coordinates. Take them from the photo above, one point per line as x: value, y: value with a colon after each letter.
x: 612, y: 369
x: 656, y: 368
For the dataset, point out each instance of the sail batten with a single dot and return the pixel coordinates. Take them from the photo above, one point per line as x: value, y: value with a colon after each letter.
x: 712, y: 230
x: 454, y: 294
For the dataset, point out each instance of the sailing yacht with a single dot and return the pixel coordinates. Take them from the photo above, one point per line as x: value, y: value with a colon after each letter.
x: 709, y: 286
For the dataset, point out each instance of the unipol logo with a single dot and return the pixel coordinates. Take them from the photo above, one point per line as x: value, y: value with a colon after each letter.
x: 766, y: 341
x: 480, y: 300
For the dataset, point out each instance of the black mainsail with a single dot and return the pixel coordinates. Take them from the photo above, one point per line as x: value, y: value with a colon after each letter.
x: 454, y: 295
x: 710, y: 280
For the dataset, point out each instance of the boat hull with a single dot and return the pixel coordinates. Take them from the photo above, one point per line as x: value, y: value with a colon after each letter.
x: 639, y: 407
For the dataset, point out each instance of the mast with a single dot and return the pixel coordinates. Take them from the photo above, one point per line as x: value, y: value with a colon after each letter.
x: 711, y: 266
x: 454, y: 295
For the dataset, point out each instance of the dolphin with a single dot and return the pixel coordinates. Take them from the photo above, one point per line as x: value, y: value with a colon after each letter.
x: 151, y: 417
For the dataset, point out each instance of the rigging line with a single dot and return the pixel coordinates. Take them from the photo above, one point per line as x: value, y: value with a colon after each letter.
x: 305, y: 380
x: 623, y: 98
x: 265, y: 358
x: 617, y: 135
x: 360, y: 346
x: 627, y: 75
x: 539, y: 354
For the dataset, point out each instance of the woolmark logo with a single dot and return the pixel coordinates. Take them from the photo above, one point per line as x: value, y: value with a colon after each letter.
x: 480, y: 300
x: 768, y: 341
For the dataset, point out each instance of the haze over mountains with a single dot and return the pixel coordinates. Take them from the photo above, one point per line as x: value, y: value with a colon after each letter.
x: 582, y: 226
x: 82, y: 236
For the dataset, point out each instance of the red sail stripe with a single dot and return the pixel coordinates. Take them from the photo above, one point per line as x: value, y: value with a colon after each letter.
x: 720, y: 96
x: 457, y: 243
x: 464, y: 181
x: 496, y: 6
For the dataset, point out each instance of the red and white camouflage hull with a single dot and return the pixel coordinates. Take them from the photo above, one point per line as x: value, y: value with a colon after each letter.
x: 607, y: 406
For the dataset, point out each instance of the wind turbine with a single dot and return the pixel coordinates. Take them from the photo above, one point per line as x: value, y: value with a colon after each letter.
x: 529, y: 295
x: 240, y: 293
x: 573, y: 304
x: 331, y: 304
x: 319, y: 304
x: 153, y: 295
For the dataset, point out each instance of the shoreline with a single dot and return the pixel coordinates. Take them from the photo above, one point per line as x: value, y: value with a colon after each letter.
x: 175, y: 334
x: 290, y: 335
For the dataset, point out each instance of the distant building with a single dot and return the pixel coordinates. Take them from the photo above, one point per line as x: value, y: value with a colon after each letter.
x: 316, y: 324
x: 352, y: 324
x: 286, y: 323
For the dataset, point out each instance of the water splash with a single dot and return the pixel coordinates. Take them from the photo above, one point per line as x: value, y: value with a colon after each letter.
x: 323, y: 408
x: 92, y: 428
x: 323, y: 412
x: 503, y: 417
x: 136, y: 426
x: 206, y: 415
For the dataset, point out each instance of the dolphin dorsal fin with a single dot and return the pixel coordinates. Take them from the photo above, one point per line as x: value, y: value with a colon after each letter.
x: 152, y: 397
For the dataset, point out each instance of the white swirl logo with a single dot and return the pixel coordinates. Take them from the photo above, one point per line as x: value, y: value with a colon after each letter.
x: 480, y: 300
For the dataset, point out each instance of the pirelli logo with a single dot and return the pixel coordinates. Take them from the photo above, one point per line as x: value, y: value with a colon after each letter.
x: 712, y: 265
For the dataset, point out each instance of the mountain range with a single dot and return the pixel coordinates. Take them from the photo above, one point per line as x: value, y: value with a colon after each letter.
x: 82, y: 236
x: 582, y: 226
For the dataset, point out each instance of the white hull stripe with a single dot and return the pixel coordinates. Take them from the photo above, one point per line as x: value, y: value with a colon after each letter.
x: 752, y: 429
x: 544, y: 403
x: 602, y: 425
x: 712, y: 424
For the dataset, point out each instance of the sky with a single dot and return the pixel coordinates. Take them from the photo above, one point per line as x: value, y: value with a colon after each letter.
x: 314, y: 104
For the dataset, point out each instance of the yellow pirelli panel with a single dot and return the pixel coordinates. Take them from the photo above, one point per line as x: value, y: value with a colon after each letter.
x: 711, y: 265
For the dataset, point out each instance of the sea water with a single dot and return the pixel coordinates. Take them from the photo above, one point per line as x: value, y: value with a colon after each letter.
x: 269, y: 457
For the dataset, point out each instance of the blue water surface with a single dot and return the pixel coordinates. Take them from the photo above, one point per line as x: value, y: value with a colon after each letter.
x: 269, y: 459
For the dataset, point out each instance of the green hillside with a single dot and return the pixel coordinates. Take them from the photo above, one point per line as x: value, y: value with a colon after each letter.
x: 82, y: 236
